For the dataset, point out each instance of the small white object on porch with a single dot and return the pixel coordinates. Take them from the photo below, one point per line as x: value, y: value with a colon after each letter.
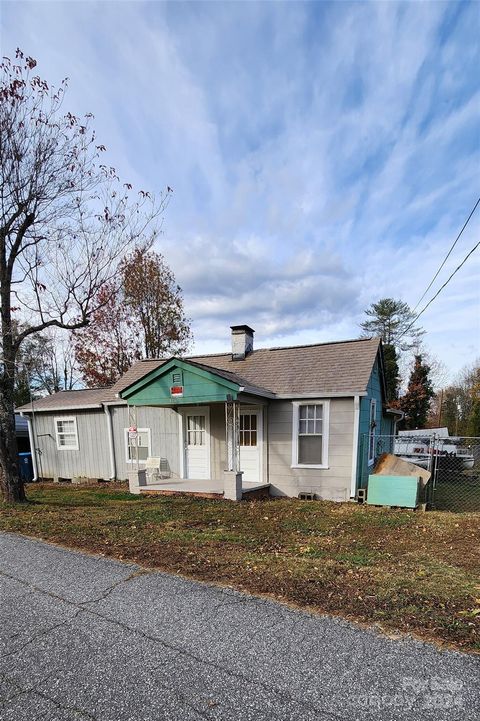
x: 232, y: 476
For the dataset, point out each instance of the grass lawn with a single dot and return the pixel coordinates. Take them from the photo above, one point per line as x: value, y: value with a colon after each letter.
x: 404, y: 571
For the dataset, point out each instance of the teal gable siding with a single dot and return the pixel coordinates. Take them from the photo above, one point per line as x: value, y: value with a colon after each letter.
x: 198, y: 386
x: 383, y: 420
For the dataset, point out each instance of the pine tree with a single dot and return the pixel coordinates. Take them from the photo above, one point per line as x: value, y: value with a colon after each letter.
x: 392, y: 321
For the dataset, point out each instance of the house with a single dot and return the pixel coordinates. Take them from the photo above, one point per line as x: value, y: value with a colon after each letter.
x: 289, y: 418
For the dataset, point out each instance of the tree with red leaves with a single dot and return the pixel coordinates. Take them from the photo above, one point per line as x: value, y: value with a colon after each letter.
x: 144, y: 318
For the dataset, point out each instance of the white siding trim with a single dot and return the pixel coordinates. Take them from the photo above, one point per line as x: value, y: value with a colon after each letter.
x: 356, y: 428
x: 58, y: 420
x: 325, y: 432
x: 181, y: 445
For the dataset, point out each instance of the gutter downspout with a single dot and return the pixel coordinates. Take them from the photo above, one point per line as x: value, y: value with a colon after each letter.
x: 111, y: 445
x: 400, y: 415
x: 396, y: 422
x: 356, y: 428
x: 33, y: 448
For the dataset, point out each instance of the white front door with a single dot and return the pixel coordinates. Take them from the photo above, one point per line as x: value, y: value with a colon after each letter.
x: 197, y: 444
x: 251, y: 445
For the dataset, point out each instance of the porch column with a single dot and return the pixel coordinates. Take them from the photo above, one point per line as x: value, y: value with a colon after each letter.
x: 232, y: 485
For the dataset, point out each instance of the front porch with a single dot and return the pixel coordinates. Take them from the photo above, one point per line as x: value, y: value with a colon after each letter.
x: 200, y: 488
x: 218, y: 449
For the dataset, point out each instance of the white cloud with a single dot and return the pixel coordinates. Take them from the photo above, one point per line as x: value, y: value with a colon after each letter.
x: 321, y: 155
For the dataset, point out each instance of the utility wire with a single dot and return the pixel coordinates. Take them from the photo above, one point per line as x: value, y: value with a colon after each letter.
x: 440, y: 289
x: 448, y: 255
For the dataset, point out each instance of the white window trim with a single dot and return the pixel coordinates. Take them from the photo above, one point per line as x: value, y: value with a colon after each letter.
x: 325, y: 432
x: 372, y: 431
x: 139, y: 430
x: 58, y: 419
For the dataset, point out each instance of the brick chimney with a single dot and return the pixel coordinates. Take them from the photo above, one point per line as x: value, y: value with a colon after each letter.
x: 242, y: 341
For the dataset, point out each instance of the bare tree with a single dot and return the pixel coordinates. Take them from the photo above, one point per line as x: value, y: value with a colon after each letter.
x: 45, y: 364
x: 66, y: 220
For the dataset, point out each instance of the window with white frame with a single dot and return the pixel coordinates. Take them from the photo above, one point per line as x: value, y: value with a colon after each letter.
x: 372, y: 424
x: 196, y: 434
x: 310, y: 434
x: 137, y: 445
x: 66, y: 434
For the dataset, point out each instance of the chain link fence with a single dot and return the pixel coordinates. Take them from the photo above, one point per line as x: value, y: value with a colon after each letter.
x: 453, y: 462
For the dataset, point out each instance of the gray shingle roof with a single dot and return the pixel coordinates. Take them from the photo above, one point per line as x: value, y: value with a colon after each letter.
x: 88, y: 398
x: 342, y: 367
x: 326, y: 368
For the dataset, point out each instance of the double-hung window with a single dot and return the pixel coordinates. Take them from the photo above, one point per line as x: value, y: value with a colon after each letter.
x: 310, y: 434
x: 66, y: 434
x: 372, y: 423
x: 137, y: 444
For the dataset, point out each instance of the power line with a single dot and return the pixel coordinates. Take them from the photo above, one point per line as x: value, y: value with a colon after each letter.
x: 440, y: 289
x: 448, y: 254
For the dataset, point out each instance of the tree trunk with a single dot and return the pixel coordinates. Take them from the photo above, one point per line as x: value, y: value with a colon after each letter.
x: 12, y: 486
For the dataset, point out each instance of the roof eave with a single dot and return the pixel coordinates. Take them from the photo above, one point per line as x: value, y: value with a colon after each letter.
x: 86, y: 406
x: 255, y: 391
x: 320, y: 394
x: 394, y: 411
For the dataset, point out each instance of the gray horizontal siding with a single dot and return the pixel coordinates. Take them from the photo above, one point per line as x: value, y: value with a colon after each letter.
x: 331, y: 483
x: 164, y: 433
x: 92, y: 460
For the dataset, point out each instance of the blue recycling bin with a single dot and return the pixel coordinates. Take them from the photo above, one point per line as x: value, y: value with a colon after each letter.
x: 26, y: 467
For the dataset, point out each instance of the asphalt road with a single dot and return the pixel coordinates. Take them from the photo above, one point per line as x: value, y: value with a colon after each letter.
x: 90, y: 638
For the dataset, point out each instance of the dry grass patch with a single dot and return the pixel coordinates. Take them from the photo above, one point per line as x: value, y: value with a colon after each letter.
x: 407, y: 572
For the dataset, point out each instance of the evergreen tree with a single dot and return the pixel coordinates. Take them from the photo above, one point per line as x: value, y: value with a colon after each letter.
x: 416, y: 401
x: 392, y: 372
x: 390, y: 320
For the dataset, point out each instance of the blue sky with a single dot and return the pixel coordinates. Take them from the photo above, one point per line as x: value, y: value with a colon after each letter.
x: 322, y: 155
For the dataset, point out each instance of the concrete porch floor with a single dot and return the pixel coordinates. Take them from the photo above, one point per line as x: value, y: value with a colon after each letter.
x: 203, y: 487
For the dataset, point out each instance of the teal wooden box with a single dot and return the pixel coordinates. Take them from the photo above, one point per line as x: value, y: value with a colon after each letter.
x: 393, y: 491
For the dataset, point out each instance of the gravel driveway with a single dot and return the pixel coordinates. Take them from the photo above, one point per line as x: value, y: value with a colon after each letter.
x: 90, y: 638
